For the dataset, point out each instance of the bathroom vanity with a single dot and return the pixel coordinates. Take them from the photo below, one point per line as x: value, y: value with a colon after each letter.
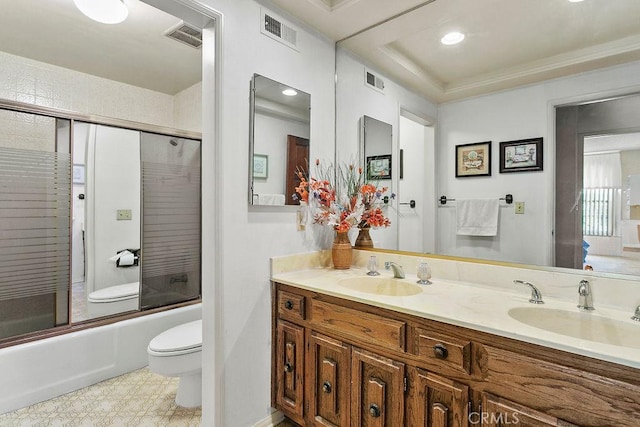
x: 346, y: 355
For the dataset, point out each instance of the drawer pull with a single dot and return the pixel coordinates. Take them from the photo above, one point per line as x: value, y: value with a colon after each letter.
x: 440, y: 351
x: 287, y: 367
x: 326, y: 387
x: 374, y: 411
x: 288, y: 305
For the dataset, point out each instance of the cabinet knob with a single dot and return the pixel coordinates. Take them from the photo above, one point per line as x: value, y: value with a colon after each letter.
x: 288, y: 305
x: 440, y: 351
x: 288, y: 367
x: 326, y: 387
x: 374, y: 410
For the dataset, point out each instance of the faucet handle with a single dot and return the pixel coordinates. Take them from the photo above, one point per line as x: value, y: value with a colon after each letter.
x: 636, y: 315
x: 372, y: 266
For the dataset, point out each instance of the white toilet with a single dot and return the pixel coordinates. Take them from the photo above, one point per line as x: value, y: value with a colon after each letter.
x: 113, y: 300
x: 177, y: 352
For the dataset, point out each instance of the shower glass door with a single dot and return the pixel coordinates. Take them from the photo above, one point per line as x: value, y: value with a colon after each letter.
x: 170, y: 221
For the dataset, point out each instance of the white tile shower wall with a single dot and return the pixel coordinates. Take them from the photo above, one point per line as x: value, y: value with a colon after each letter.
x: 34, y: 82
x: 187, y: 108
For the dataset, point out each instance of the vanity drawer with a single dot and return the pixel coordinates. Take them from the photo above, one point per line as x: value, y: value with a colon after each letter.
x: 443, y: 349
x: 290, y: 305
x: 359, y: 325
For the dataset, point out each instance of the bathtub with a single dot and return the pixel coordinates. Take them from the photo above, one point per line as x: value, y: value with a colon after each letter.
x: 40, y: 370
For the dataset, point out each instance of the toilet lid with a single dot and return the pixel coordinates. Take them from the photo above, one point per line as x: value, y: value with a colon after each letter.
x: 115, y: 293
x: 183, y: 338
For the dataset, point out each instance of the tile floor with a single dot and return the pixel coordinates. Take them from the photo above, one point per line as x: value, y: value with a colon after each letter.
x: 138, y: 399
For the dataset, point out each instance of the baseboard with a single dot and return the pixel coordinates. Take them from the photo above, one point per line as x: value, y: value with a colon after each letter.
x: 272, y: 420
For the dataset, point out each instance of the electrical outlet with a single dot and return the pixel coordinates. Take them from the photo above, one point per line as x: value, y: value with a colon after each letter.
x: 123, y: 215
x: 519, y: 207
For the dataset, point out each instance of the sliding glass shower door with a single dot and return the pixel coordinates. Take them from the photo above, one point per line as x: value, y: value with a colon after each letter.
x: 171, y: 220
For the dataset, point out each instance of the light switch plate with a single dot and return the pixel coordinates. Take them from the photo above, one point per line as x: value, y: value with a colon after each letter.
x: 519, y: 207
x: 123, y: 215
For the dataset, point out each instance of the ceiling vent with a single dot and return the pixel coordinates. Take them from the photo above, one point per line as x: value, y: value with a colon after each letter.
x: 373, y: 81
x: 273, y: 26
x: 185, y: 33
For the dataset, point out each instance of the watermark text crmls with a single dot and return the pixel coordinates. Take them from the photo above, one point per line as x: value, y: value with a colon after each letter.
x: 500, y: 418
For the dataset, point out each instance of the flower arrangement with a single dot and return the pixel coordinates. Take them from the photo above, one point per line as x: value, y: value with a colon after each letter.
x: 341, y: 197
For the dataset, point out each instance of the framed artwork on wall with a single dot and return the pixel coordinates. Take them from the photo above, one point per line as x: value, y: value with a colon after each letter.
x: 473, y: 159
x: 379, y: 167
x: 260, y: 166
x: 524, y: 155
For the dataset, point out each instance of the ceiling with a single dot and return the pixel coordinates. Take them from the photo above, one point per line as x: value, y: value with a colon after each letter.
x: 134, y: 52
x: 508, y: 42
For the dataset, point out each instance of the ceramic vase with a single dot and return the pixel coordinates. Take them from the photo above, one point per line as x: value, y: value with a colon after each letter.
x: 341, y: 252
x: 363, y: 241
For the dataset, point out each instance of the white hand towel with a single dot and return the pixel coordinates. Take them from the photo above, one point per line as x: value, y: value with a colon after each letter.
x: 271, y: 199
x: 478, y: 217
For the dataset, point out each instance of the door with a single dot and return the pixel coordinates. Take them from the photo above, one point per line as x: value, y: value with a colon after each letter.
x: 297, y: 159
x: 497, y: 411
x: 328, y: 373
x: 435, y: 401
x: 290, y: 369
x: 377, y: 390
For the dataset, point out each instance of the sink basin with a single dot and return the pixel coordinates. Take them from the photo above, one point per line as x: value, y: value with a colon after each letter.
x: 381, y: 286
x: 585, y: 326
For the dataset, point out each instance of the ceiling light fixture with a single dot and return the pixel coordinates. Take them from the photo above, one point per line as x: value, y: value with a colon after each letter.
x: 289, y: 92
x: 104, y: 11
x: 453, y: 37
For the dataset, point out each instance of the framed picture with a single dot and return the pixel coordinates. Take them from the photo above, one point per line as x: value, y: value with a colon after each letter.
x: 473, y: 159
x: 524, y: 155
x: 260, y: 166
x: 78, y: 174
x: 379, y: 167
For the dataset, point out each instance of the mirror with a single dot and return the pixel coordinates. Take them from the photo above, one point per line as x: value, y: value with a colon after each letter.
x: 511, y: 113
x: 280, y: 122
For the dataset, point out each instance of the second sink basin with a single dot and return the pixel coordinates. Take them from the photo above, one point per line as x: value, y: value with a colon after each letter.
x: 381, y: 286
x: 586, y: 326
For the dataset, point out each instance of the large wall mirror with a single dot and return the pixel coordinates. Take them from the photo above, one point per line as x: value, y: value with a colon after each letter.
x: 379, y: 74
x: 280, y: 123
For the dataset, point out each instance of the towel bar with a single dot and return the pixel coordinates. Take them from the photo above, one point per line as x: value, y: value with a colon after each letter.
x: 508, y: 198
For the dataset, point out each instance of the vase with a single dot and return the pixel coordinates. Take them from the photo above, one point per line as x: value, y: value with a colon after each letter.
x: 341, y: 252
x: 363, y: 241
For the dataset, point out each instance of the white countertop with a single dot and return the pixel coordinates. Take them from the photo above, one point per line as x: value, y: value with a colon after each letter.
x: 473, y: 306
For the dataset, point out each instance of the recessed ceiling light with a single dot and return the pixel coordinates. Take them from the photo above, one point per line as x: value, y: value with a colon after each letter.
x: 104, y: 11
x: 454, y: 37
x: 289, y: 92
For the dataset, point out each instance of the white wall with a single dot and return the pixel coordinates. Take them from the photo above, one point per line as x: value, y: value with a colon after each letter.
x: 187, y: 108
x: 355, y: 100
x: 525, y: 112
x: 251, y: 235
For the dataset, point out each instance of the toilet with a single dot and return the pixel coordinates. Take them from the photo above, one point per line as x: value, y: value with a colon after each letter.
x: 113, y: 300
x: 177, y: 352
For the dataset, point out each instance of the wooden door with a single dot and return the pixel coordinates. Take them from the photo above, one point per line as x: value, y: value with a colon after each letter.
x: 435, y: 401
x: 377, y: 390
x: 290, y: 370
x: 328, y: 381
x: 297, y: 159
x: 499, y: 412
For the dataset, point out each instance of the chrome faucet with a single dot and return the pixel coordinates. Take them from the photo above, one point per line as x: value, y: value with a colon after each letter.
x: 636, y: 315
x: 536, y: 296
x: 585, y: 299
x: 398, y: 272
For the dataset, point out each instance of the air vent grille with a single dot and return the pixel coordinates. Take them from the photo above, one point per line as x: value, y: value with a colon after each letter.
x: 373, y: 81
x: 275, y: 27
x: 186, y: 34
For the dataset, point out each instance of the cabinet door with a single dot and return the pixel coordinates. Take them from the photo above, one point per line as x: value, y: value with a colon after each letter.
x: 497, y: 411
x: 290, y: 369
x: 435, y: 401
x: 328, y: 381
x: 377, y: 390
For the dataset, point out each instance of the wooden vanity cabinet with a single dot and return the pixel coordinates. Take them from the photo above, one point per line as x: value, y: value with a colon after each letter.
x: 336, y: 362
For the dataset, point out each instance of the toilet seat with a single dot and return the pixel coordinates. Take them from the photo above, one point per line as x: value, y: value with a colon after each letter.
x: 115, y: 293
x: 179, y: 340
